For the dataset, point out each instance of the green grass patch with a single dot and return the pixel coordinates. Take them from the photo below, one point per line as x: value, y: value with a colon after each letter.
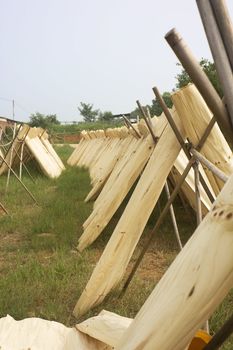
x: 41, y: 272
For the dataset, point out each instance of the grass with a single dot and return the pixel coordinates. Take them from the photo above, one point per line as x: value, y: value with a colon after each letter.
x: 41, y: 272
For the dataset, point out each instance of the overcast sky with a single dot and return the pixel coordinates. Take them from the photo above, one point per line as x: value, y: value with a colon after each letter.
x: 56, y: 53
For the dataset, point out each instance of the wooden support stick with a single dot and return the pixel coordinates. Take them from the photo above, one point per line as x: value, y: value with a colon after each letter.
x: 173, y: 217
x: 219, y: 54
x: 201, y: 81
x: 180, y: 138
x: 17, y: 132
x: 216, y: 171
x: 11, y: 158
x: 149, y: 116
x: 165, y: 210
x: 155, y: 139
x: 19, y: 157
x: 197, y: 192
x: 171, y: 121
x: 13, y: 172
x: 4, y: 209
x: 131, y: 125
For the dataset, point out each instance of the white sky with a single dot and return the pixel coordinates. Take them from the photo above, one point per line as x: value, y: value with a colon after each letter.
x: 56, y: 53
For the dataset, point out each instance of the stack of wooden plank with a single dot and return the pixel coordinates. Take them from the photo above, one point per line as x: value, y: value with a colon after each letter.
x: 116, y: 256
x: 33, y: 143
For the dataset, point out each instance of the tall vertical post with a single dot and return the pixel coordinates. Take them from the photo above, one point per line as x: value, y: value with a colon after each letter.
x: 201, y: 81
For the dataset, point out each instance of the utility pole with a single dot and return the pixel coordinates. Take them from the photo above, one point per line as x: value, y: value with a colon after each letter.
x: 13, y: 109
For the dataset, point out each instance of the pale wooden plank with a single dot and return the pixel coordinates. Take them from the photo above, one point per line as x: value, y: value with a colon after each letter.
x: 193, y: 286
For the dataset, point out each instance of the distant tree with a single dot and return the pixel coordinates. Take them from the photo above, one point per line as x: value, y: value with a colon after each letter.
x: 44, y: 121
x: 155, y: 108
x: 209, y: 68
x: 105, y: 116
x: 87, y: 112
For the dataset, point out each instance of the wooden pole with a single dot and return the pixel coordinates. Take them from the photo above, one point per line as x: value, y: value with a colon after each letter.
x: 165, y: 210
x: 4, y: 209
x: 197, y: 192
x: 19, y: 157
x: 131, y: 125
x: 198, y: 208
x: 225, y: 26
x: 155, y: 139
x: 200, y: 79
x: 216, y: 171
x: 11, y: 157
x: 149, y: 116
x: 12, y: 141
x: 219, y: 54
x: 173, y: 217
x: 13, y: 172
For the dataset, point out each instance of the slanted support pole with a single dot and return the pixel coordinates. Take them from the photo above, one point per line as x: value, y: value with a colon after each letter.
x: 216, y: 171
x: 13, y: 172
x: 155, y: 139
x: 11, y: 158
x: 197, y: 192
x: 131, y: 125
x: 4, y: 209
x: 173, y: 217
x: 198, y: 209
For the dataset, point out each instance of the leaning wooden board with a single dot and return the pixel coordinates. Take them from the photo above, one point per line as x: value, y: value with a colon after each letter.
x: 123, y: 178
x: 196, y: 115
x: 115, y: 258
x: 193, y: 286
x: 106, y: 164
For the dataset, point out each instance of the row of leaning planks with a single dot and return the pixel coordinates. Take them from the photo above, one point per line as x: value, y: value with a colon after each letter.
x: 31, y: 143
x: 116, y: 159
x: 200, y: 276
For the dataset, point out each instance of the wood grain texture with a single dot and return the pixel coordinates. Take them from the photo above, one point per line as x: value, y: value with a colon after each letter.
x: 115, y: 258
x: 193, y: 286
x: 123, y: 176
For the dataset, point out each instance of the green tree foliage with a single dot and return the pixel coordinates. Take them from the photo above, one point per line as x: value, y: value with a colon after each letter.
x: 155, y: 108
x: 105, y: 116
x: 44, y: 121
x: 208, y: 67
x: 87, y: 112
